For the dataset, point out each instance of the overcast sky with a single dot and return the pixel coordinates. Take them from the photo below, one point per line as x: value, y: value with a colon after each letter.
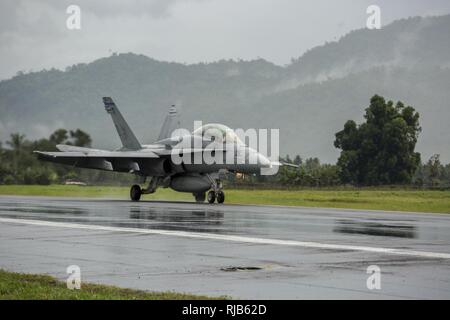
x: 33, y: 33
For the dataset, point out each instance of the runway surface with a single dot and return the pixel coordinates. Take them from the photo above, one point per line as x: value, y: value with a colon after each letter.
x: 245, y: 252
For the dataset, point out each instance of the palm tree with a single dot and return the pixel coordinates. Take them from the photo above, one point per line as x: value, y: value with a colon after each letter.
x: 17, y: 141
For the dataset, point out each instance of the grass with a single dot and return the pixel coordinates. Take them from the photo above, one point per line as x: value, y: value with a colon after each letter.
x: 20, y: 286
x: 398, y: 200
x: 375, y: 199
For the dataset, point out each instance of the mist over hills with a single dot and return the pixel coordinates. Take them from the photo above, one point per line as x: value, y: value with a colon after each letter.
x: 309, y: 99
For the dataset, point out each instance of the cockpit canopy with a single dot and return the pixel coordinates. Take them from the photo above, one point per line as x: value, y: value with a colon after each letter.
x: 217, y: 130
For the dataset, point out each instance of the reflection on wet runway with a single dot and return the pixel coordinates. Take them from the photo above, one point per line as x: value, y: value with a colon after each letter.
x: 190, y: 220
x: 40, y: 208
x: 375, y: 228
x: 119, y: 214
x: 275, y: 222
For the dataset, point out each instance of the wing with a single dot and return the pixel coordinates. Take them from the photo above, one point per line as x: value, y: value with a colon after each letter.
x: 122, y: 161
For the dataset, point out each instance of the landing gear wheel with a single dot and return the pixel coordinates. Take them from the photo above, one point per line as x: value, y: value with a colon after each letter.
x: 220, y: 197
x: 135, y: 193
x: 211, y: 196
x: 200, y: 197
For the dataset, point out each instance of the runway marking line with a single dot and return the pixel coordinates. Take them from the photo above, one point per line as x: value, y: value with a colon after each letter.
x: 223, y: 237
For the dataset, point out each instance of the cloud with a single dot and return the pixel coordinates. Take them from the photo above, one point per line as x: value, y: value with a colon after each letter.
x: 26, y: 18
x: 33, y: 33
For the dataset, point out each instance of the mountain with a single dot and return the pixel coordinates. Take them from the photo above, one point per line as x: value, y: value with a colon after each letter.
x: 410, y: 43
x: 309, y: 99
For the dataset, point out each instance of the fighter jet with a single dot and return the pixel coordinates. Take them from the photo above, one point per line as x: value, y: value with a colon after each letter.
x: 171, y: 160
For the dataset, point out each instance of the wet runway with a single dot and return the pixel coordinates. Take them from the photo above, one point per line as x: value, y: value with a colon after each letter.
x: 245, y: 252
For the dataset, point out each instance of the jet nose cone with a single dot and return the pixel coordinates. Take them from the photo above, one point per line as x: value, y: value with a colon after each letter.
x: 263, y: 161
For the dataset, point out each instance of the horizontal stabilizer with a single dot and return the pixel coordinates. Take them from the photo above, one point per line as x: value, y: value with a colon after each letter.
x: 69, y: 148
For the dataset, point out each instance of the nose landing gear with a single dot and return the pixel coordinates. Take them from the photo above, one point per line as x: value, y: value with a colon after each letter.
x: 136, y: 191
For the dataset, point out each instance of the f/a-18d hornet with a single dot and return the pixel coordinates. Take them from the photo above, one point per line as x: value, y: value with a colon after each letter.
x: 168, y: 162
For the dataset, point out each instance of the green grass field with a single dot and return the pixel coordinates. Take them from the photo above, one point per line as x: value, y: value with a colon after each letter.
x: 375, y: 199
x: 19, y: 286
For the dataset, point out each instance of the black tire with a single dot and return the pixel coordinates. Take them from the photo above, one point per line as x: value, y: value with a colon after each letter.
x: 220, y: 197
x: 211, y: 197
x: 135, y: 193
x: 200, y: 197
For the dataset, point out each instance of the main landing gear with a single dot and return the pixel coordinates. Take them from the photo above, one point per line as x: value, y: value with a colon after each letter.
x: 216, y: 194
x: 213, y: 196
x: 135, y: 193
x: 200, y: 197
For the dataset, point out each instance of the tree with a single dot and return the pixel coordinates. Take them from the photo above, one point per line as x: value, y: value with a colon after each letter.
x: 80, y: 138
x: 380, y: 150
x: 17, y: 144
x: 18, y: 163
x: 311, y: 173
x: 298, y: 160
x: 434, y: 169
x: 17, y: 141
x: 433, y: 173
x: 59, y: 136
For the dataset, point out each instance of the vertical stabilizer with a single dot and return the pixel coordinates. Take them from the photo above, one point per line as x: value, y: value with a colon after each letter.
x: 127, y: 136
x: 171, y: 123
